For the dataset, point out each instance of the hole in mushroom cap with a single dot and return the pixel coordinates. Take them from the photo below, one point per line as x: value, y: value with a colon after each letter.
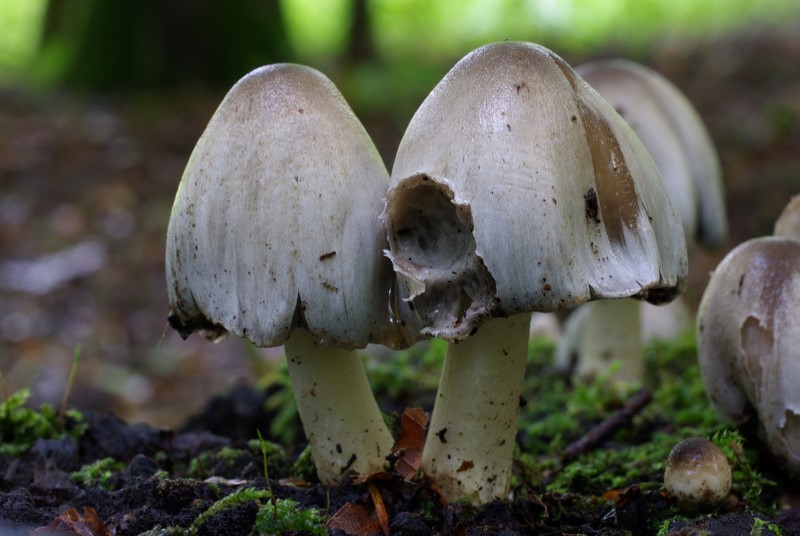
x: 428, y: 230
x: 434, y: 255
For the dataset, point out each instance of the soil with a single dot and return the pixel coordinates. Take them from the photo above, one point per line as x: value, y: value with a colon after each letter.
x: 158, y: 487
x: 747, y: 89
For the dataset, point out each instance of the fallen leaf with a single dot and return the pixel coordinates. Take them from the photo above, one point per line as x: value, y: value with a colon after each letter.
x: 612, y: 494
x: 408, y: 447
x: 378, y: 476
x: 354, y: 520
x: 380, y: 508
x: 70, y: 521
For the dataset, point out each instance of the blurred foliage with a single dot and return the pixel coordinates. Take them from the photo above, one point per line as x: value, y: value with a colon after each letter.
x: 20, y: 28
x: 100, y: 45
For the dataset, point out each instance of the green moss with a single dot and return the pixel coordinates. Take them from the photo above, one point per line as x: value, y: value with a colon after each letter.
x: 272, y: 518
x: 21, y: 426
x: 281, y: 403
x: 678, y: 391
x: 287, y: 516
x: 98, y: 473
x: 237, y: 498
x: 561, y: 411
x: 747, y: 481
x: 304, y: 467
x: 227, y: 459
x: 603, y: 470
x: 408, y: 372
x: 762, y: 527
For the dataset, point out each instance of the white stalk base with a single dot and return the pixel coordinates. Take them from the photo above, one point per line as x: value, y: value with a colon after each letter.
x: 470, y: 442
x: 340, y: 416
x: 611, y: 344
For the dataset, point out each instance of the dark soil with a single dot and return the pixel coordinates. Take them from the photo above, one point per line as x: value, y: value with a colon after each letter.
x: 161, y: 485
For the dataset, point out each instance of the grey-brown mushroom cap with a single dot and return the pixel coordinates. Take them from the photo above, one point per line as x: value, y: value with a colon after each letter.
x: 276, y: 220
x: 748, y: 335
x: 697, y: 474
x: 675, y: 135
x: 565, y: 204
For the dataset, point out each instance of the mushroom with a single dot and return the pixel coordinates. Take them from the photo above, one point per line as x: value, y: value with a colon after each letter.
x: 748, y: 333
x: 697, y: 475
x: 516, y: 188
x: 274, y: 236
x: 675, y: 136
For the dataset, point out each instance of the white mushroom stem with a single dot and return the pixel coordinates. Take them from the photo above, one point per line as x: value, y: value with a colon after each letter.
x: 341, y: 419
x: 471, y: 436
x: 612, y: 337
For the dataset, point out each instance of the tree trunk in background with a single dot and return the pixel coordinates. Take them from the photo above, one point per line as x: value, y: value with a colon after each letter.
x: 126, y: 44
x: 360, y: 47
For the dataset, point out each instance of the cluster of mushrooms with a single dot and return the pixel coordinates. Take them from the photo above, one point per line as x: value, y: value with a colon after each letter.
x: 516, y: 188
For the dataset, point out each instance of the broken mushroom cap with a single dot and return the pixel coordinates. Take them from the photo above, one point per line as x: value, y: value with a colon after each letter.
x: 275, y: 223
x: 748, y: 333
x: 697, y: 475
x: 788, y: 224
x: 675, y: 136
x: 515, y: 188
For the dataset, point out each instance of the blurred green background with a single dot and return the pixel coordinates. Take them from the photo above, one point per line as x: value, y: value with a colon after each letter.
x: 101, y: 102
x: 381, y: 50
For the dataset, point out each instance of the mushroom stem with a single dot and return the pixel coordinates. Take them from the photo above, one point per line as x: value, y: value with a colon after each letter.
x: 612, y: 335
x: 470, y: 440
x: 340, y: 416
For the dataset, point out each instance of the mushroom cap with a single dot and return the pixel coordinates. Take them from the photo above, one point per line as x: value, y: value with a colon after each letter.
x: 697, y: 474
x: 676, y: 137
x: 275, y: 222
x: 788, y: 224
x: 517, y: 188
x: 748, y: 334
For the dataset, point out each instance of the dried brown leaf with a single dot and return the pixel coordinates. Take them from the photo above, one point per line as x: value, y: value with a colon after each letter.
x: 354, y: 520
x: 408, y: 446
x: 378, y: 476
x: 70, y: 521
x: 380, y: 508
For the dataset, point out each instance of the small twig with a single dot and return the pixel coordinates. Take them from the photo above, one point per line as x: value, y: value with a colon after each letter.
x: 263, y: 443
x: 599, y: 433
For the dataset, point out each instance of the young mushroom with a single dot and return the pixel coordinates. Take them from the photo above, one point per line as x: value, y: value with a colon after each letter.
x: 274, y: 236
x: 697, y: 475
x: 676, y: 137
x: 516, y: 188
x: 748, y: 333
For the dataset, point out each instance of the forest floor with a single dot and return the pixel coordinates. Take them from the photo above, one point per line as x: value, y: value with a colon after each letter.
x: 87, y: 189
